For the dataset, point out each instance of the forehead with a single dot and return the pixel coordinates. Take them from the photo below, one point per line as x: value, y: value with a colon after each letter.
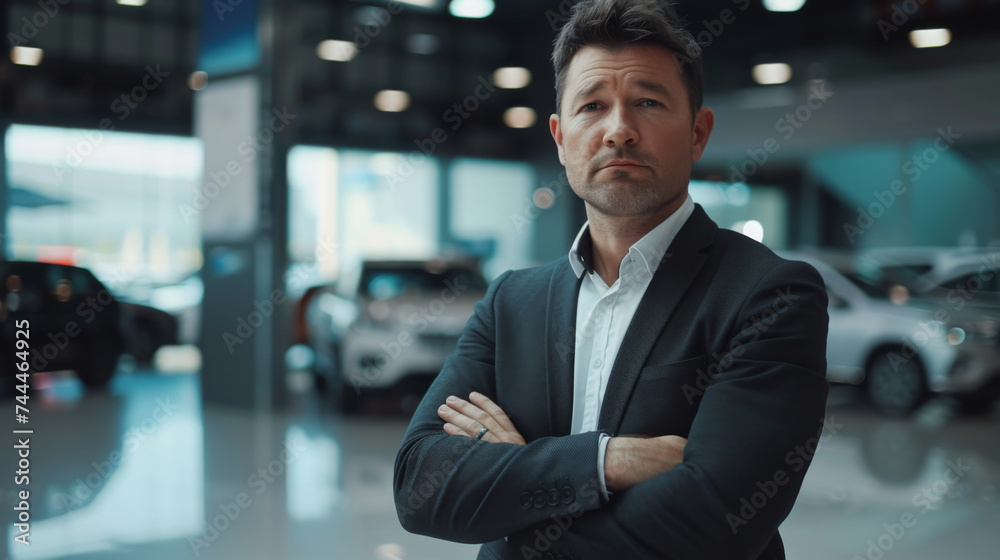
x: 593, y: 63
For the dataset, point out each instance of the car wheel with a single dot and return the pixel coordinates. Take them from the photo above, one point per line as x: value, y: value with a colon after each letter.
x: 896, y: 385
x: 101, y: 365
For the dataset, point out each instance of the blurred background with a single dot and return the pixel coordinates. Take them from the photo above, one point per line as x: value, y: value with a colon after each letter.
x: 244, y: 235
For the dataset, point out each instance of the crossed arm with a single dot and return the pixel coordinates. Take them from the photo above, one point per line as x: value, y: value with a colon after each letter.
x: 627, y: 462
x: 672, y: 498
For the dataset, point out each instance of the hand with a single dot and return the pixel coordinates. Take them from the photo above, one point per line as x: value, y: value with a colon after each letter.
x: 629, y: 460
x: 463, y: 418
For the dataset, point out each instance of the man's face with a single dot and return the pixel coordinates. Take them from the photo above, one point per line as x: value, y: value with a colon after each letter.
x: 625, y: 132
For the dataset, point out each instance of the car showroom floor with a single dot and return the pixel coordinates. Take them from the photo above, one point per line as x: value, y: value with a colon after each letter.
x: 144, y: 471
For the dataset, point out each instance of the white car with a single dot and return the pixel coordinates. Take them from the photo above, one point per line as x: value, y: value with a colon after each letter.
x: 394, y: 328
x: 901, y: 353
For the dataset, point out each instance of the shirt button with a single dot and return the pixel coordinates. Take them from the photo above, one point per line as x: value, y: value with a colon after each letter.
x: 597, y: 362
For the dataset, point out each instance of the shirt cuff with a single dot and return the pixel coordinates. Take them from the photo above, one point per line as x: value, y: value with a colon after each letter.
x: 602, y: 447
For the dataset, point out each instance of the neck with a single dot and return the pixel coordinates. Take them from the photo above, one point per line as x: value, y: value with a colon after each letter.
x: 613, y: 236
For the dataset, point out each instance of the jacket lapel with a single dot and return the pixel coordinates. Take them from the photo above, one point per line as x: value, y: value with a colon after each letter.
x: 560, y: 347
x: 681, y: 263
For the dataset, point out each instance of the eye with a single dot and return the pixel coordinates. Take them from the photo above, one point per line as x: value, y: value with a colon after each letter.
x: 592, y: 106
x: 651, y: 103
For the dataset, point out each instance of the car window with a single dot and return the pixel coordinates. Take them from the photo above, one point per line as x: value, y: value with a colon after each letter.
x: 973, y: 283
x: 386, y: 283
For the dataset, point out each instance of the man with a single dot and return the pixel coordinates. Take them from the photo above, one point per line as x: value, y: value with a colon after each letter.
x: 659, y: 393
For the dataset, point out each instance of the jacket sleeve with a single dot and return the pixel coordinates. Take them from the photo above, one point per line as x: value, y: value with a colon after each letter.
x: 460, y: 489
x: 749, y: 446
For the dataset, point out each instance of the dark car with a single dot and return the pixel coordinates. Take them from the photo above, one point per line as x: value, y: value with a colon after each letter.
x: 74, y: 322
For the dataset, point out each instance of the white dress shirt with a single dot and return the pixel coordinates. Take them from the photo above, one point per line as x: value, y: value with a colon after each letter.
x: 603, y: 314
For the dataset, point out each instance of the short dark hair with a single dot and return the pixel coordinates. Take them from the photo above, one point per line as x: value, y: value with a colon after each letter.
x: 619, y: 23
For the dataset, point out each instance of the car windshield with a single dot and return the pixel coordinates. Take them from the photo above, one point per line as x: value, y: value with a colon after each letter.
x: 387, y: 283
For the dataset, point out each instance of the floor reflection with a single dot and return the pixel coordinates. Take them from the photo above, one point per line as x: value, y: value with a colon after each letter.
x: 145, y: 472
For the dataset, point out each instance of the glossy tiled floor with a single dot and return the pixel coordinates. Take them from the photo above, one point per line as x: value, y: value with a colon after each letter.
x: 145, y: 472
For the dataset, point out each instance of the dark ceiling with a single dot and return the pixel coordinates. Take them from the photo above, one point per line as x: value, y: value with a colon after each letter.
x: 96, y: 51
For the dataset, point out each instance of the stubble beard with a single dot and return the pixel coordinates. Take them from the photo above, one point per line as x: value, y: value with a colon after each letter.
x: 625, y: 196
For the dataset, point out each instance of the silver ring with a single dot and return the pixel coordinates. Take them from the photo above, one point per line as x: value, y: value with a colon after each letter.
x: 481, y: 433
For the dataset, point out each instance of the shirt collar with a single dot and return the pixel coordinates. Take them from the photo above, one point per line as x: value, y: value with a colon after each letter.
x: 650, y: 248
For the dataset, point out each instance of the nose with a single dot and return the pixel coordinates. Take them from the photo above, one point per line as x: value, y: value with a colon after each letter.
x: 621, y: 130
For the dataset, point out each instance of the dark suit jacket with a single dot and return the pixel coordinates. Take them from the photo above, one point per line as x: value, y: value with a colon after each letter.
x: 727, y: 349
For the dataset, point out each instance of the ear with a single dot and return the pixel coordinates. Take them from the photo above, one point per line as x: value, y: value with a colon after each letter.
x: 702, y: 129
x: 556, y: 129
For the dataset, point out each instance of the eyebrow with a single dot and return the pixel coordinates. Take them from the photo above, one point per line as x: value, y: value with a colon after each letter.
x: 655, y: 87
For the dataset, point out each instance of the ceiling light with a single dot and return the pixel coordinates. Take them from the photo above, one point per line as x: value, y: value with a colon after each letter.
x: 773, y: 73
x: 198, y: 80
x: 337, y: 51
x: 27, y: 56
x: 783, y: 5
x: 422, y: 43
x: 471, y: 8
x: 392, y: 100
x: 927, y: 38
x: 519, y: 117
x: 131, y: 2
x: 420, y: 3
x: 512, y: 77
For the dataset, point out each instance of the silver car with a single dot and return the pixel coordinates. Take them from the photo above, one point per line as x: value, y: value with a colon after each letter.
x: 393, y: 327
x: 901, y: 353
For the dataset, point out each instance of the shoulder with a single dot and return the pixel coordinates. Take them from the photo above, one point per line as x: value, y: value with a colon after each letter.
x: 740, y: 255
x: 534, y: 276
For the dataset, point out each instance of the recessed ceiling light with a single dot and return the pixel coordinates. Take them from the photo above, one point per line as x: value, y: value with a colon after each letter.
x: 337, y: 51
x: 773, y: 73
x: 471, y: 8
x: 131, y: 2
x: 26, y: 56
x: 512, y: 77
x: 392, y: 100
x: 420, y: 3
x: 783, y: 5
x: 928, y: 38
x: 519, y: 117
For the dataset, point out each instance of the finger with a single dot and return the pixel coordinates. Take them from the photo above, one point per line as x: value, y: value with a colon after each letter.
x: 478, y: 416
x: 454, y: 430
x: 449, y: 414
x: 493, y: 409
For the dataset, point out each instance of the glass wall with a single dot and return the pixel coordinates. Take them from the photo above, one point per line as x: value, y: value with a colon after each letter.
x: 109, y: 201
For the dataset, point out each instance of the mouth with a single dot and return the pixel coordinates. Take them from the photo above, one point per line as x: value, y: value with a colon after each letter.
x: 622, y: 165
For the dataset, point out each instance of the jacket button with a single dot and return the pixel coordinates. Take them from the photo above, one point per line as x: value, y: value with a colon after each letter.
x: 526, y: 500
x: 567, y: 494
x: 539, y: 498
x: 553, y: 497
